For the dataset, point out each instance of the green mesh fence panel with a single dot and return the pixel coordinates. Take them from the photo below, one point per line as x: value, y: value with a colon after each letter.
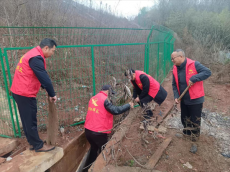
x: 31, y: 36
x: 85, y: 59
x: 6, y: 125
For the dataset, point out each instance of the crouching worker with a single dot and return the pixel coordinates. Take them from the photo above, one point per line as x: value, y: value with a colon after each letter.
x: 147, y: 88
x: 99, y: 121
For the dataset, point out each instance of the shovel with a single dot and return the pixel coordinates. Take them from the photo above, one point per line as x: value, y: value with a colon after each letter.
x: 175, y: 104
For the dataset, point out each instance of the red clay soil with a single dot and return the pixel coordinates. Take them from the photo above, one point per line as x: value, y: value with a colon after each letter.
x: 133, y: 141
x: 207, y: 158
x: 217, y: 97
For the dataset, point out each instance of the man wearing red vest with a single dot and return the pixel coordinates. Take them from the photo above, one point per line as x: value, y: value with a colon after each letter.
x: 188, y: 72
x: 30, y: 75
x: 147, y: 88
x: 99, y: 121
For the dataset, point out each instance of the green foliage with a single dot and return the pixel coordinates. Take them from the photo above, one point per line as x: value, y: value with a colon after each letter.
x: 131, y: 163
x: 209, y: 25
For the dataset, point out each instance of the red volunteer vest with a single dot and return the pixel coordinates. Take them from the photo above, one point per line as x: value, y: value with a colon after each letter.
x: 154, y: 86
x: 25, y: 82
x: 197, y: 89
x: 98, y: 118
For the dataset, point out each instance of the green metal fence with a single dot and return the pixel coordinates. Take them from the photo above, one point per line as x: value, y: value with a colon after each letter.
x: 85, y: 59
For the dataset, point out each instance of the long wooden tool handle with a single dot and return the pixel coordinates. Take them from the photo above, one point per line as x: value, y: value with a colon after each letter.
x: 184, y: 92
x: 52, y: 130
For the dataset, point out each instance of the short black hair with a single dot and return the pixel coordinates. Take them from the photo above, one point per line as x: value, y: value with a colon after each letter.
x: 133, y: 71
x: 107, y: 87
x: 48, y: 42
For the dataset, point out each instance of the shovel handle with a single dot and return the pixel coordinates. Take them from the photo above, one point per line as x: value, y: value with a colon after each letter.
x: 184, y: 92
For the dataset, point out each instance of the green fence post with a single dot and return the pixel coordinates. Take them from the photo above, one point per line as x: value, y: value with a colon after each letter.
x: 168, y: 53
x: 158, y: 59
x: 14, y: 104
x: 165, y: 54
x: 17, y: 121
x: 7, y: 92
x: 173, y: 44
x: 145, y: 63
x: 147, y: 51
x: 93, y: 71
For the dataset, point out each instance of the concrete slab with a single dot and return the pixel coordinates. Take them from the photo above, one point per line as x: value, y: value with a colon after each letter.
x: 31, y: 161
x: 7, y: 145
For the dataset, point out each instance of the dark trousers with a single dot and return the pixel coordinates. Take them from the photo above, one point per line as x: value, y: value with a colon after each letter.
x: 191, y: 117
x: 159, y: 99
x: 27, y: 107
x: 96, y: 141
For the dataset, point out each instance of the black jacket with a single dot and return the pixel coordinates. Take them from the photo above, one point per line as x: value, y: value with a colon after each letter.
x: 160, y: 97
x: 137, y: 91
x: 37, y: 65
x: 115, y: 110
x: 203, y: 73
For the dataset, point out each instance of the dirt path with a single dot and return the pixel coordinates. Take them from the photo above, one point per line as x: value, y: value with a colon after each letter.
x: 217, y: 97
x: 206, y: 159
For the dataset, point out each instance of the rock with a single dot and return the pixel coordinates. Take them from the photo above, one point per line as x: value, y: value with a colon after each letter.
x: 162, y: 129
x: 76, y: 108
x: 9, y: 158
x: 179, y: 135
x: 160, y: 113
x: 193, y: 148
x: 188, y: 165
x: 149, y: 127
x: 62, y: 130
x: 226, y: 155
x: 78, y: 119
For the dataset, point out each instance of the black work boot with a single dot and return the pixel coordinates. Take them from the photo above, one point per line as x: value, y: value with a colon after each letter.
x: 148, y: 115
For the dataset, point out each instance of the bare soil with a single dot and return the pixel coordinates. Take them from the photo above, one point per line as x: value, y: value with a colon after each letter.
x: 217, y: 97
x: 206, y: 159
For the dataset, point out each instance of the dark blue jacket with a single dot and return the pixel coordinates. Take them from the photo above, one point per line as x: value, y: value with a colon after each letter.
x: 203, y: 73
